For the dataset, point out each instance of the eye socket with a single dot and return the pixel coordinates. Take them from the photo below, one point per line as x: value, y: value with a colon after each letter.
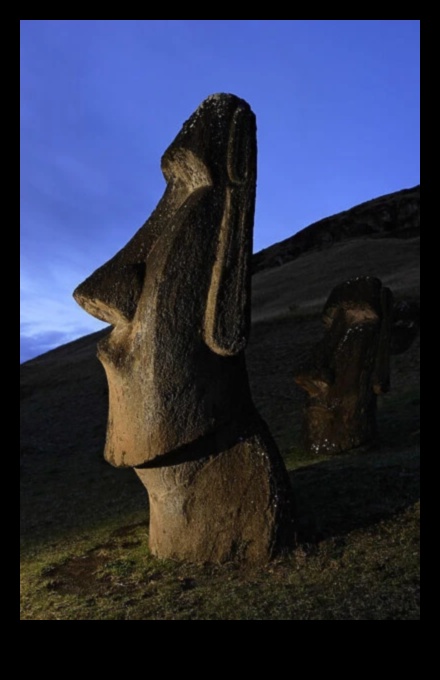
x: 359, y: 315
x: 184, y: 165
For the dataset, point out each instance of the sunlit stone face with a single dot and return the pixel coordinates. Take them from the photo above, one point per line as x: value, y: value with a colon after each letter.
x: 178, y: 294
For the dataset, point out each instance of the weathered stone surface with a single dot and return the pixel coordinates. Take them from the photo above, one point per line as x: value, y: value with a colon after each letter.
x: 178, y: 295
x: 348, y: 367
x: 230, y: 500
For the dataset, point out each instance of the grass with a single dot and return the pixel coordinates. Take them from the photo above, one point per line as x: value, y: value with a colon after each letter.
x: 370, y: 573
x: 85, y: 545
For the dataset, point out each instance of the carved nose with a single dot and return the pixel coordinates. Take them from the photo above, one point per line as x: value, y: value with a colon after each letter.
x: 112, y: 292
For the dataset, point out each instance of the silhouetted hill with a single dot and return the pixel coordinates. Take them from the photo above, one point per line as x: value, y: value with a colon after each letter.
x: 392, y: 215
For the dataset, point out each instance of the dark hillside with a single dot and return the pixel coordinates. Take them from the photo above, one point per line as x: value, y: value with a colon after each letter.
x: 84, y: 524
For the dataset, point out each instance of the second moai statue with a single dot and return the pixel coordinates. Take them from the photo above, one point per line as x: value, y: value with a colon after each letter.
x: 180, y: 409
x: 348, y: 368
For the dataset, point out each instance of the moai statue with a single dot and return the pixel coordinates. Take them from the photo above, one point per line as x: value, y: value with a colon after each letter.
x: 348, y: 368
x: 180, y: 409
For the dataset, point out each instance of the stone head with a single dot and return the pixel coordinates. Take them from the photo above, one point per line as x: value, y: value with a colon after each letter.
x: 178, y: 294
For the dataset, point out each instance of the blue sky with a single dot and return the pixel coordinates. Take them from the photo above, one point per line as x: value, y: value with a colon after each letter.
x: 337, y: 106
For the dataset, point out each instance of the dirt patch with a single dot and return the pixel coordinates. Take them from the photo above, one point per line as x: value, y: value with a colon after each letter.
x: 79, y: 574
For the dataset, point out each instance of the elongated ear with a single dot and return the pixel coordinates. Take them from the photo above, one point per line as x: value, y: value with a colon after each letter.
x: 227, y: 316
x: 381, y: 376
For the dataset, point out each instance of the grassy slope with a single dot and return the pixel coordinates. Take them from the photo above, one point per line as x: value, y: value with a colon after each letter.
x: 85, y: 525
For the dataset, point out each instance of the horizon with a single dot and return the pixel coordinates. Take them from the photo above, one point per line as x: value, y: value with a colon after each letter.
x: 92, y: 138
